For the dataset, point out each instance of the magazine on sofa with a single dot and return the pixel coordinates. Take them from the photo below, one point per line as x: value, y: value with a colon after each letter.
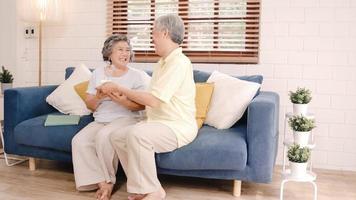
x: 61, y: 120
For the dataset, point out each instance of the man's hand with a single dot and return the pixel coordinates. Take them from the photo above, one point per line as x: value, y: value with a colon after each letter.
x: 117, y: 97
x: 123, y: 100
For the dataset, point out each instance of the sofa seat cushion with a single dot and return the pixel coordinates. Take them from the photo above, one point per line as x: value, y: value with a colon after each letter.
x: 212, y: 150
x: 32, y: 132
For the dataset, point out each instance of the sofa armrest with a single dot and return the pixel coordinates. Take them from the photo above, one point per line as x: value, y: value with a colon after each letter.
x: 24, y: 103
x: 262, y: 134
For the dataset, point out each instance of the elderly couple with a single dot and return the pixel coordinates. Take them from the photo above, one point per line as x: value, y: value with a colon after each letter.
x: 118, y: 134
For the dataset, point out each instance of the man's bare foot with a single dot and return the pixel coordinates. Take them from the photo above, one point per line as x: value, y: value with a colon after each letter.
x: 104, y: 191
x: 158, y: 195
x: 136, y: 197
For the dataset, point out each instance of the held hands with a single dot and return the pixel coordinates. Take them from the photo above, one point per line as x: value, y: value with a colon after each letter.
x: 100, y: 95
x: 111, y: 90
x: 108, y: 87
x: 117, y: 97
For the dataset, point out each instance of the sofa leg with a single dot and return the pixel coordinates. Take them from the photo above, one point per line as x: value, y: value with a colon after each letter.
x: 32, y: 164
x: 237, y: 188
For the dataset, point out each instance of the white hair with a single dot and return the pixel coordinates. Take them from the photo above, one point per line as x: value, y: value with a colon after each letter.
x: 173, y: 24
x: 111, y: 41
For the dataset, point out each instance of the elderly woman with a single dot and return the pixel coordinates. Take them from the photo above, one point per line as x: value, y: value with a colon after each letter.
x: 170, y: 106
x: 94, y: 159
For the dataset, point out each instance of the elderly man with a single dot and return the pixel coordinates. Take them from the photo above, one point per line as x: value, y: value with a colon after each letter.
x: 170, y: 105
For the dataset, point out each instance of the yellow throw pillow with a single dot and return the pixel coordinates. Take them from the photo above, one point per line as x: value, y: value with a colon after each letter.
x: 81, y: 89
x: 203, y: 95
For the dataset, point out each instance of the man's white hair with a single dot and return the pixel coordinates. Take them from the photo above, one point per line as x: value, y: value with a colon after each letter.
x: 173, y: 24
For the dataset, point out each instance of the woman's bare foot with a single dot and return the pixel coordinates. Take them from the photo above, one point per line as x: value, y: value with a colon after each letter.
x: 104, y: 191
x: 158, y: 195
x: 98, y: 193
x: 136, y: 197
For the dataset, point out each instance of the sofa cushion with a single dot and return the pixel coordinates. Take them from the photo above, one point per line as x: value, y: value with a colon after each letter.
x: 81, y: 89
x: 212, y: 150
x: 65, y: 99
x: 203, y: 95
x: 230, y: 99
x: 32, y: 132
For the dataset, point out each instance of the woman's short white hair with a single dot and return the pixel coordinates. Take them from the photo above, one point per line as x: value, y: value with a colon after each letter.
x: 173, y: 24
x: 109, y: 44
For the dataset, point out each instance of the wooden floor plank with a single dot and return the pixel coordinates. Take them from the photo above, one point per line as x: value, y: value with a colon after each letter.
x: 54, y: 180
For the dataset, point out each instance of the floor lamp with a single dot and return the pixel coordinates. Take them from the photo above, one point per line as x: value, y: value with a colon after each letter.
x: 35, y: 11
x: 41, y: 11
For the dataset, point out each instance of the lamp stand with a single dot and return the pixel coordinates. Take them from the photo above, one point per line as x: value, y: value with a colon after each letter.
x: 40, y: 54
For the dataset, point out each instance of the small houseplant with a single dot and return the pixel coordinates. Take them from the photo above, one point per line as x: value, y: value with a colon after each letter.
x: 301, y: 127
x: 298, y: 158
x: 6, y: 79
x: 300, y: 99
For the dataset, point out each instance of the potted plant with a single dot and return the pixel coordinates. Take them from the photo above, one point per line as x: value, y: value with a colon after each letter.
x: 301, y: 127
x: 6, y: 79
x: 300, y: 100
x: 298, y: 158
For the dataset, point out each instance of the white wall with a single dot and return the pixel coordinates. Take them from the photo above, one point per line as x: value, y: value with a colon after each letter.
x: 8, y: 34
x: 307, y: 43
x: 8, y: 43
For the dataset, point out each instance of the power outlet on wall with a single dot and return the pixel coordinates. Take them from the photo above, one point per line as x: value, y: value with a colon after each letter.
x: 30, y: 32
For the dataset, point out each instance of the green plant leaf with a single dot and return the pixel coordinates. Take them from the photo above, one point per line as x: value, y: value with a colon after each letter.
x: 301, y: 123
x: 301, y: 96
x: 298, y: 154
x: 5, y: 76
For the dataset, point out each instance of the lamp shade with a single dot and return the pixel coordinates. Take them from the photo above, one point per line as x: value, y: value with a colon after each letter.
x: 42, y: 10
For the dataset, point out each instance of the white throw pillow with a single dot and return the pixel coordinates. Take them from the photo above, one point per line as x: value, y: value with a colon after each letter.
x: 230, y: 99
x: 65, y: 99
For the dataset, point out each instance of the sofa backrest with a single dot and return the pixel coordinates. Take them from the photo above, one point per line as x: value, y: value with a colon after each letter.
x: 199, y: 76
x: 69, y: 71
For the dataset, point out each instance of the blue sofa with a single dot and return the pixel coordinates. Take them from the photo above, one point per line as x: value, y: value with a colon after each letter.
x: 245, y: 152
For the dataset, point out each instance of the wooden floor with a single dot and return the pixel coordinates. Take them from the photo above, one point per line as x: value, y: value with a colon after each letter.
x: 53, y: 180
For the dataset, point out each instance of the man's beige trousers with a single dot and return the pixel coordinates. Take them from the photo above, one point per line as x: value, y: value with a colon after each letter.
x: 94, y: 159
x: 136, y: 147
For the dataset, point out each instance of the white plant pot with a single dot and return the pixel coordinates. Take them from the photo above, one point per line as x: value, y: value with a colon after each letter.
x: 5, y: 86
x: 300, y: 109
x: 301, y: 138
x: 298, y: 170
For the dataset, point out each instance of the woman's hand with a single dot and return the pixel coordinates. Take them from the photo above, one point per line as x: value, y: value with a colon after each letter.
x: 100, y: 95
x: 92, y: 101
x: 108, y: 87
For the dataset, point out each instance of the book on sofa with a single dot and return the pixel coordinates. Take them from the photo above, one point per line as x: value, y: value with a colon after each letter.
x: 60, y: 120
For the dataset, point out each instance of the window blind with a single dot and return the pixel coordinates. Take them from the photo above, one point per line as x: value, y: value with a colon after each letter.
x: 216, y: 31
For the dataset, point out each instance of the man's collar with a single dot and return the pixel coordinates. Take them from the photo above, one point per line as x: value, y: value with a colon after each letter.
x: 170, y: 56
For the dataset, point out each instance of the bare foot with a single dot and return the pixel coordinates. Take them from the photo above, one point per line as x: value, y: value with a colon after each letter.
x: 158, y: 195
x: 136, y: 197
x: 104, y: 191
x: 98, y: 193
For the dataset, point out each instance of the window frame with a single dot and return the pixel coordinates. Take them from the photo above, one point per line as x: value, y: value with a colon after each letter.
x: 249, y: 56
